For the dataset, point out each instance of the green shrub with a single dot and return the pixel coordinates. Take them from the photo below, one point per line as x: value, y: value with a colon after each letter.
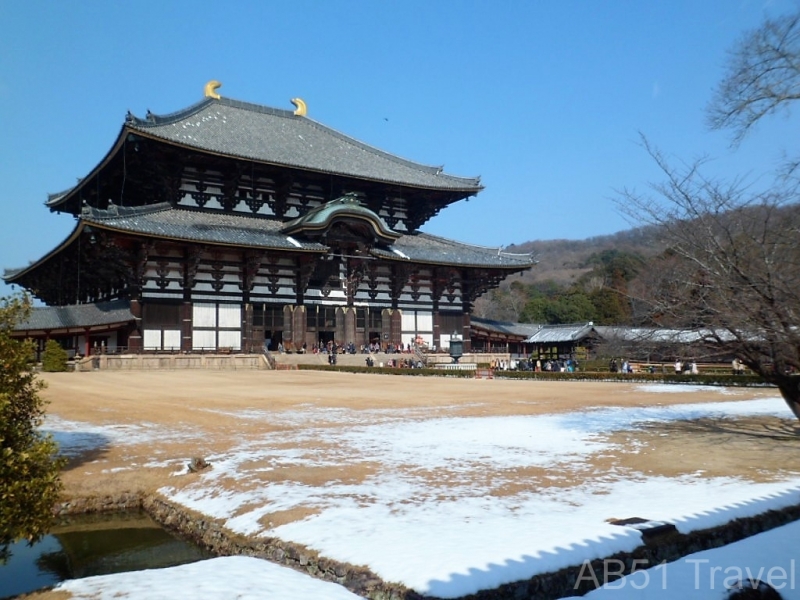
x: 54, y: 358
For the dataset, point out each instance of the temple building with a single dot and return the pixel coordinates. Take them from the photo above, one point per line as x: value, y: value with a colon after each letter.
x: 230, y: 225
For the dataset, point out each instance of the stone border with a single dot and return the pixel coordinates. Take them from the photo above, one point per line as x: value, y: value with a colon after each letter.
x: 210, y: 534
x: 145, y: 362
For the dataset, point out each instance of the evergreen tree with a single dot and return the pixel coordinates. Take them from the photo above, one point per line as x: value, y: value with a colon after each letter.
x: 29, y: 466
x: 54, y: 358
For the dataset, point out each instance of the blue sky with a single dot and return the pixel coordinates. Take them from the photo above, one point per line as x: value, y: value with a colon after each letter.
x: 545, y: 100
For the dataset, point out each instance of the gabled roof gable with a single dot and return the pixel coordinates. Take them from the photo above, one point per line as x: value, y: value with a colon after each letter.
x: 347, y: 208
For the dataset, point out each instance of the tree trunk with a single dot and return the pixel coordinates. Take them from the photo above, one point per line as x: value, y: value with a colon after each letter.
x: 790, y: 390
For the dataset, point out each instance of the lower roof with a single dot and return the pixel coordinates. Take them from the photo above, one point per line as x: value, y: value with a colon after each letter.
x: 216, y: 228
x: 168, y: 222
x: 505, y: 328
x: 52, y: 318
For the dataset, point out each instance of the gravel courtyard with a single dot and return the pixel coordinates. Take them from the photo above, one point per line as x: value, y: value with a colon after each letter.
x: 287, y: 446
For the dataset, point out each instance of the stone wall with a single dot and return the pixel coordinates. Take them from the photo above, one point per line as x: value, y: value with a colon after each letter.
x: 668, y: 545
x: 212, y: 535
x: 134, y: 362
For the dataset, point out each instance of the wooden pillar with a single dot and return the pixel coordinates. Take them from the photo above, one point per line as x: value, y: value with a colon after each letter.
x: 362, y: 337
x: 396, y: 327
x: 466, y: 332
x: 247, y: 329
x: 87, y: 345
x: 186, y: 326
x: 386, y: 326
x: 349, y: 325
x: 135, y: 342
x: 437, y: 326
x: 299, y: 326
x: 288, y: 325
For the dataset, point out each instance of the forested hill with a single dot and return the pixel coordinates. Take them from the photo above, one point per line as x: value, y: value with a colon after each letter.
x: 564, y: 261
x: 574, y: 280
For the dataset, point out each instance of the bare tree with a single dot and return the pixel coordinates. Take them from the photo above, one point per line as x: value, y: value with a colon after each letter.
x: 762, y: 77
x: 485, y: 306
x: 732, y: 270
x: 513, y: 302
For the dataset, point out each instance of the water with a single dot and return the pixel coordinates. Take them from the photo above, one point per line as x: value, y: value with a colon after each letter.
x: 88, y: 545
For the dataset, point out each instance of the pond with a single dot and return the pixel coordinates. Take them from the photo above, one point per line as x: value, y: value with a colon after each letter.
x: 86, y: 545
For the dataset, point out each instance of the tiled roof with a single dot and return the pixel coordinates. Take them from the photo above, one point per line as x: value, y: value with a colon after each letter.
x: 80, y: 315
x: 163, y: 221
x: 505, y: 327
x: 561, y: 333
x: 219, y: 228
x: 426, y: 248
x: 664, y: 336
x: 254, y: 132
x: 537, y: 333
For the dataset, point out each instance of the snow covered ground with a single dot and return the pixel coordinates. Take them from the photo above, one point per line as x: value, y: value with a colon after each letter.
x: 770, y: 557
x: 445, y: 515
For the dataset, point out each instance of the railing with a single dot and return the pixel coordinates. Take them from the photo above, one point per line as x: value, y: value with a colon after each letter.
x: 270, y: 359
x: 421, y: 356
x: 457, y: 366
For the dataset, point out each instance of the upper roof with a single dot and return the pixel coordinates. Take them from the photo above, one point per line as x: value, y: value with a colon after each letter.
x: 251, y: 131
x: 49, y: 318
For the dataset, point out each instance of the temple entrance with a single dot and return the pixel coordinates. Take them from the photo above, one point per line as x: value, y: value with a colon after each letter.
x: 323, y: 337
x: 321, y: 324
x: 272, y: 339
x: 268, y: 325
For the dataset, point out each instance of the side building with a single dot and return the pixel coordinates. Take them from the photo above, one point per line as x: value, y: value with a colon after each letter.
x: 230, y: 225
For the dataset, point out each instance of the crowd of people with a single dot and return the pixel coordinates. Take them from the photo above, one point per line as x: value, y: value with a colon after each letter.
x: 563, y: 365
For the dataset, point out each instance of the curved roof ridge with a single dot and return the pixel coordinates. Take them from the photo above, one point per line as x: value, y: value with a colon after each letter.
x: 12, y: 274
x: 453, y: 242
x: 499, y: 249
x: 323, y: 216
x: 115, y: 210
x: 528, y: 254
x: 153, y: 119
x: 56, y: 195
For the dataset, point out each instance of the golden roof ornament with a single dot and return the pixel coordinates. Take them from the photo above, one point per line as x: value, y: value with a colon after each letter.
x: 210, y: 90
x: 302, y: 110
